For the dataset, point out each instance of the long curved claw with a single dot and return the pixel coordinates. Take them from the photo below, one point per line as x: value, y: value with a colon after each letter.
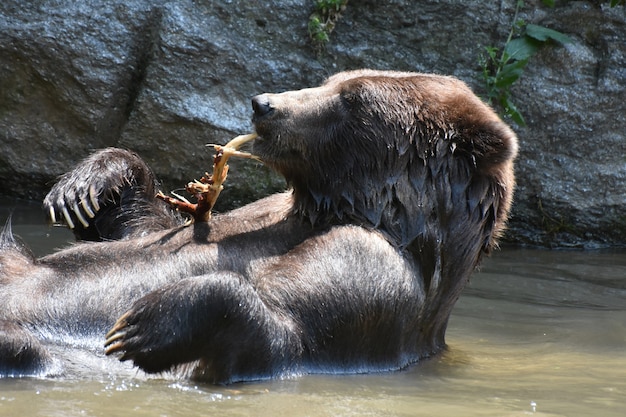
x: 119, y: 325
x: 87, y: 209
x: 114, y: 338
x: 79, y: 216
x: 67, y: 217
x: 93, y: 196
x: 53, y: 215
x: 114, y: 344
x: 112, y: 348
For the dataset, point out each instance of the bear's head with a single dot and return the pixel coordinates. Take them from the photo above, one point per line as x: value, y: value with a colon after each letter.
x: 418, y: 157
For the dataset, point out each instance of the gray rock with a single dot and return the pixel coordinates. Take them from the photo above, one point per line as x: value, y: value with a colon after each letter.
x: 164, y: 78
x: 572, y: 164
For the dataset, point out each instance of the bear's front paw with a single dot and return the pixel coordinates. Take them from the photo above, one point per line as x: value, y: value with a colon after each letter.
x: 72, y: 204
x: 79, y: 195
x: 140, y: 336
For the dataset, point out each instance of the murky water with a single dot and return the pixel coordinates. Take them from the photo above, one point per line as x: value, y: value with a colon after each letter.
x: 536, y: 333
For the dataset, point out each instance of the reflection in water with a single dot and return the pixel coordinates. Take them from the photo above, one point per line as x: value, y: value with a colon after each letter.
x: 535, y: 333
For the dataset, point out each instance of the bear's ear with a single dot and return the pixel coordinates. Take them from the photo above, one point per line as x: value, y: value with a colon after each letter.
x: 479, y: 132
x: 364, y: 89
x: 372, y: 101
x: 492, y: 145
x: 350, y: 92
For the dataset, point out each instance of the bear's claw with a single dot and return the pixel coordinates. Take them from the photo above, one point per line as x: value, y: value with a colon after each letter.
x: 65, y: 205
x: 114, y: 342
x: 137, y: 336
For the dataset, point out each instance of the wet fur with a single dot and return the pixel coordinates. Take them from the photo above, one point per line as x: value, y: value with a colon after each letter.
x: 400, y: 181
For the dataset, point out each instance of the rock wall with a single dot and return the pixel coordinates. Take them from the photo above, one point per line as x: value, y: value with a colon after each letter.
x: 164, y: 78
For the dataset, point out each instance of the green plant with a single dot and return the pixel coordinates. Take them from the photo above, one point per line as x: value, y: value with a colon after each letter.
x: 501, y: 68
x: 323, y: 20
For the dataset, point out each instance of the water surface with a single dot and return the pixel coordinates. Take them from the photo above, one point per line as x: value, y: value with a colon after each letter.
x: 537, y: 332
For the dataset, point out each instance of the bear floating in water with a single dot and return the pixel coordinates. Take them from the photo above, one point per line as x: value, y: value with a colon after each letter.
x: 400, y: 182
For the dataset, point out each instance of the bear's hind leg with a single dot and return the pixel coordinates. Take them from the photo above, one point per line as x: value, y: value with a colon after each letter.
x: 218, y: 320
x: 109, y: 196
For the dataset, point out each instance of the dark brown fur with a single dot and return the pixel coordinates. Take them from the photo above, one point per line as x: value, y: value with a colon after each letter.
x: 400, y: 182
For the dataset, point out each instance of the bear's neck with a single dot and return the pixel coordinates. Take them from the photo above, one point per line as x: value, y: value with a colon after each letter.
x: 375, y: 211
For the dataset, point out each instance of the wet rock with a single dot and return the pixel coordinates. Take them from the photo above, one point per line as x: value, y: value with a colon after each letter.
x: 166, y: 77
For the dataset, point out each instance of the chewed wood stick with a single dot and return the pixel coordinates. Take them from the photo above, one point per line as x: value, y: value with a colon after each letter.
x: 208, y: 188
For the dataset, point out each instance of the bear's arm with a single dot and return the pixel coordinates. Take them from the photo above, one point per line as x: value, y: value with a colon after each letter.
x: 217, y: 319
x: 344, y: 300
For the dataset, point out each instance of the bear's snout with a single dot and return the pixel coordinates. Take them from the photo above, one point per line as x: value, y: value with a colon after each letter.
x: 261, y: 105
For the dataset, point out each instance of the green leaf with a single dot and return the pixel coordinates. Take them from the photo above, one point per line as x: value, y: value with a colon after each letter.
x: 543, y: 34
x: 510, y: 73
x: 549, y: 3
x: 512, y: 112
x: 520, y: 49
x: 492, y: 52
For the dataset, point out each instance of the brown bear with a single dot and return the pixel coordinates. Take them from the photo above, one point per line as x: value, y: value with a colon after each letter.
x: 400, y: 182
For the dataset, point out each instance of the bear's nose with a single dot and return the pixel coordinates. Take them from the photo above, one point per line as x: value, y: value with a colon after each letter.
x: 261, y: 105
